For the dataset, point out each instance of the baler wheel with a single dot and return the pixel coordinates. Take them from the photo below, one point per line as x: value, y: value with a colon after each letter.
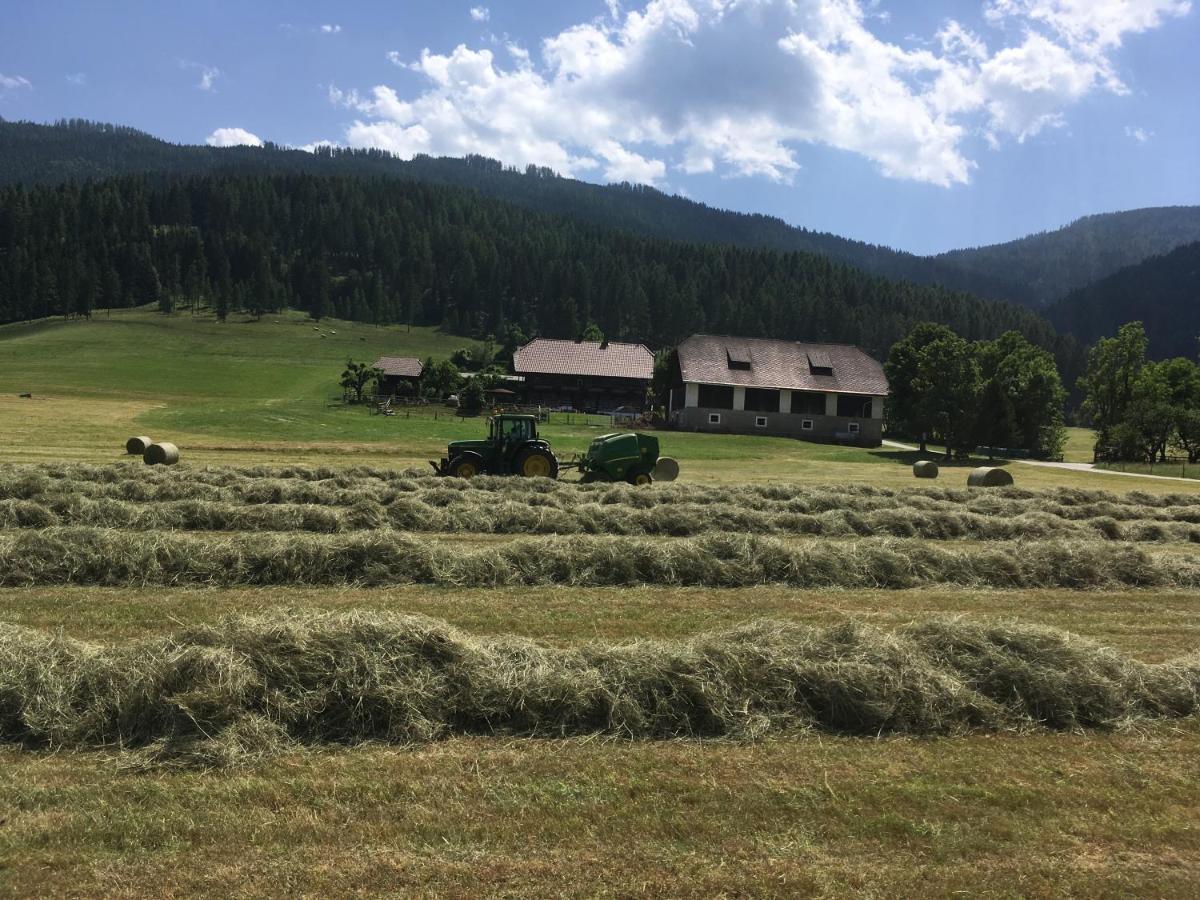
x: 641, y: 478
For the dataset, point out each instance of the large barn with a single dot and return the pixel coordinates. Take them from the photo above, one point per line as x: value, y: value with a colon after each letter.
x: 590, y: 376
x: 819, y: 392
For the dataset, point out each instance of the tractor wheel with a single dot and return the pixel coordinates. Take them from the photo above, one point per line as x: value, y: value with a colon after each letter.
x: 466, y: 465
x: 536, y: 462
x: 641, y: 478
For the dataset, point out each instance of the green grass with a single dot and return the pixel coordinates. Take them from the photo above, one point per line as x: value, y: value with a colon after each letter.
x: 140, y: 354
x: 1086, y: 815
x: 266, y: 391
x: 1034, y: 814
x: 1174, y: 470
x: 1080, y: 442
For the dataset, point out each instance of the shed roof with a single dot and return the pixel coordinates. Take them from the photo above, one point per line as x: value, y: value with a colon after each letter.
x: 788, y: 365
x: 400, y: 366
x: 610, y: 359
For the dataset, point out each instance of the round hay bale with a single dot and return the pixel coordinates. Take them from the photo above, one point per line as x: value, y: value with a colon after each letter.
x: 667, y: 469
x: 161, y: 454
x: 136, y: 446
x: 925, y: 468
x: 989, y: 476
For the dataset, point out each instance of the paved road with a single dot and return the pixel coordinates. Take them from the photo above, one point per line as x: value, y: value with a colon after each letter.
x: 1070, y: 466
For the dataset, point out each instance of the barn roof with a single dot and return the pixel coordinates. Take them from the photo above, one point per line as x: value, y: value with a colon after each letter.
x: 610, y: 359
x: 400, y: 366
x: 788, y: 365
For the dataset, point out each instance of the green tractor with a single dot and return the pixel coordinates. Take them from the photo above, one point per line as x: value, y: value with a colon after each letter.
x: 513, y: 447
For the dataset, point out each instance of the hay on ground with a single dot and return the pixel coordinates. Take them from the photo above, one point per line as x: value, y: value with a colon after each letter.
x: 989, y: 476
x: 162, y: 453
x: 136, y: 446
x: 245, y: 688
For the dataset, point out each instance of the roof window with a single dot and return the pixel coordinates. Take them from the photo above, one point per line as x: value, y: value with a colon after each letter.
x: 819, y: 362
x: 738, y: 357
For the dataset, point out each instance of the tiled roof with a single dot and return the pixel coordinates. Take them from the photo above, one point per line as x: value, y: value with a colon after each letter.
x: 547, y: 356
x: 705, y: 359
x: 400, y: 366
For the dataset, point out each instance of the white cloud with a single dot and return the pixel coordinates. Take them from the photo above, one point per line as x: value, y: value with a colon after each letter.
x: 480, y: 13
x: 208, y: 74
x: 14, y: 83
x: 1141, y: 135
x: 233, y: 137
x: 734, y: 87
x: 79, y: 79
x: 331, y: 29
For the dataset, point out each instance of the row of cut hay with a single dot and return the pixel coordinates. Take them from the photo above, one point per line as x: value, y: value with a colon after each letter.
x: 357, y: 477
x: 248, y: 687
x: 346, y: 492
x: 89, y: 556
x: 469, y: 513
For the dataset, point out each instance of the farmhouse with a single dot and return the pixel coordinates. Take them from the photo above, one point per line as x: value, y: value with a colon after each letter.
x: 401, y: 375
x: 585, y: 375
x: 819, y: 392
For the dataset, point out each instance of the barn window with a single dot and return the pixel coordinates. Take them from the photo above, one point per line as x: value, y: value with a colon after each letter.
x: 715, y: 396
x: 714, y: 418
x: 853, y: 406
x: 819, y: 362
x: 808, y: 403
x: 806, y: 425
x: 761, y: 400
x: 760, y: 421
x: 853, y: 427
x: 738, y: 357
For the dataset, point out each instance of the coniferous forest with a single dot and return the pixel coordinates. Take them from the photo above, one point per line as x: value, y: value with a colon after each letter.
x: 386, y: 250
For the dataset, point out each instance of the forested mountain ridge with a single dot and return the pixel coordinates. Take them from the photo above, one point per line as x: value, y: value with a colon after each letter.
x: 1162, y: 292
x: 1034, y: 271
x: 1051, y: 264
x: 394, y: 250
x: 80, y: 150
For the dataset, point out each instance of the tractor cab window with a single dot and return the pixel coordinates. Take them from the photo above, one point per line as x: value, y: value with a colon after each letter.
x: 516, y: 430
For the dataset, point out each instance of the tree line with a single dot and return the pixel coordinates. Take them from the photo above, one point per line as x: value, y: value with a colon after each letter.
x: 385, y: 250
x: 1142, y: 410
x: 1003, y: 393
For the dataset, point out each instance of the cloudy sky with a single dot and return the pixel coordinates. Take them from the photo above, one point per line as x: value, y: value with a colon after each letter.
x: 921, y: 125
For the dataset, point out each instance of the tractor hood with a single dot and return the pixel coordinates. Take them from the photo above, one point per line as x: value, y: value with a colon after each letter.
x: 456, y: 447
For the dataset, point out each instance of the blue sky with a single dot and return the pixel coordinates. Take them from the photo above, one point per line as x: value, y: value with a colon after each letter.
x: 920, y: 125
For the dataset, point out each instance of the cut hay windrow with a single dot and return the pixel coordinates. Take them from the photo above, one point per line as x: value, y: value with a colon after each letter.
x: 246, y: 688
x: 230, y: 500
x: 88, y: 556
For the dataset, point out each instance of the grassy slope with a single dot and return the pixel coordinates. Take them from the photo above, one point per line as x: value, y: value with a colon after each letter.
x: 1080, y: 442
x: 266, y: 392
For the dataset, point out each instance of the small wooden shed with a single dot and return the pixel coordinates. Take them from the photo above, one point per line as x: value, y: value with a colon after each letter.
x: 401, y: 375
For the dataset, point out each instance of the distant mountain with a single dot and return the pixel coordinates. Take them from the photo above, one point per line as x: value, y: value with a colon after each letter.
x: 1163, y: 292
x: 1033, y: 271
x: 81, y: 150
x: 1050, y: 265
x: 387, y: 250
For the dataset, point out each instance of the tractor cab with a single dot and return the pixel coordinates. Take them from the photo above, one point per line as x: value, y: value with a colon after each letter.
x: 512, y: 447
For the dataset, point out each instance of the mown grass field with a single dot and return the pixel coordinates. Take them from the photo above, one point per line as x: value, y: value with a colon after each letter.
x: 1089, y: 809
x: 266, y: 392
